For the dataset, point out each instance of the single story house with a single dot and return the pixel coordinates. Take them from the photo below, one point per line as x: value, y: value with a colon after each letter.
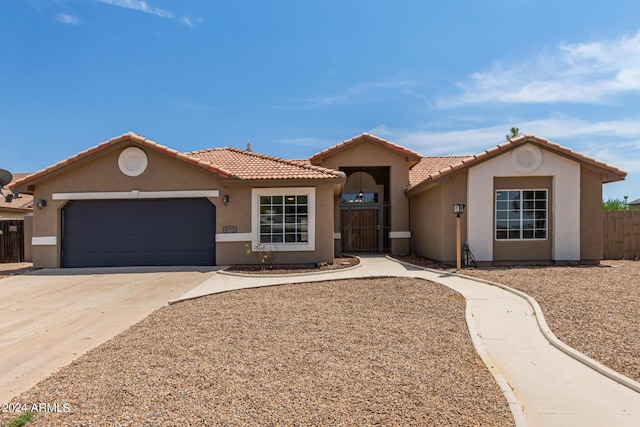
x: 635, y: 204
x: 132, y: 201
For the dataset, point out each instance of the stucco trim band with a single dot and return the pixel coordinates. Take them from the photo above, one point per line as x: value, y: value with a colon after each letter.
x: 44, y: 241
x: 400, y: 234
x: 136, y: 194
x: 234, y: 237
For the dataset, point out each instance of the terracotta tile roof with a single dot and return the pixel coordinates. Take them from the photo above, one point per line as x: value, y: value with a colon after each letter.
x: 130, y: 136
x: 430, y: 165
x: 24, y: 203
x: 250, y: 165
x: 612, y: 173
x: 365, y: 137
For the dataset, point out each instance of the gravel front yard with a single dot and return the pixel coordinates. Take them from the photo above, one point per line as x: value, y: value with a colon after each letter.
x: 354, y: 352
x: 594, y: 309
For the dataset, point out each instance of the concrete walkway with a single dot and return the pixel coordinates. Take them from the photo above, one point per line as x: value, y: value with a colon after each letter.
x: 543, y: 385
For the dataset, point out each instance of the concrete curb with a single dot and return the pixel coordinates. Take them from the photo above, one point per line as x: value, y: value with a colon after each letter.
x: 555, y: 341
x: 547, y: 333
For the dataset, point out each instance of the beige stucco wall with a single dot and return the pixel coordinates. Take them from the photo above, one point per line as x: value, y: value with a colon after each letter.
x: 433, y: 223
x: 370, y: 154
x: 28, y: 234
x: 427, y: 228
x: 236, y: 252
x: 101, y: 173
x: 591, y: 216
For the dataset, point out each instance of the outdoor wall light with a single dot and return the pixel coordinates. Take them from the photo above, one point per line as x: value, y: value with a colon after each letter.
x: 41, y: 203
x: 225, y: 199
x: 458, y: 209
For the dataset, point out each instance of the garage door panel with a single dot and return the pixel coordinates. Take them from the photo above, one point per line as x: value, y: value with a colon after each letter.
x: 138, y: 232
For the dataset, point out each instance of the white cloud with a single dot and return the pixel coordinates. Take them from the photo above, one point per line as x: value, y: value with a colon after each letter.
x: 143, y: 6
x: 67, y: 19
x: 140, y: 5
x: 616, y: 142
x: 189, y: 22
x: 590, y: 72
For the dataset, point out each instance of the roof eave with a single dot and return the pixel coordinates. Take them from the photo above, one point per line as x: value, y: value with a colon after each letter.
x: 127, y: 137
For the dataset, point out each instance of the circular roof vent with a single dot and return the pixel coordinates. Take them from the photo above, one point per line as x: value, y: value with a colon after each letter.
x: 133, y: 161
x: 526, y: 159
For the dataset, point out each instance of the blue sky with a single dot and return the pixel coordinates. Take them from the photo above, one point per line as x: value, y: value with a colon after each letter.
x: 295, y: 77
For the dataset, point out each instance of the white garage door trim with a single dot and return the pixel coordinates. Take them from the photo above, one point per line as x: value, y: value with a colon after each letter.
x: 136, y: 194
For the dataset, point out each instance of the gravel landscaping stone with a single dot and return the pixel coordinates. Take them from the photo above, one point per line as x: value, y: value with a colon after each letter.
x: 594, y: 309
x: 351, y: 352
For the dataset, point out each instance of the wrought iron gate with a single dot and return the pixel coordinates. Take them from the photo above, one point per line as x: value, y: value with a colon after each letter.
x: 365, y: 227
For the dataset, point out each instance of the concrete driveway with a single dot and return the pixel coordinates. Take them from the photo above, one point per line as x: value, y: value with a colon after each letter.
x: 50, y: 317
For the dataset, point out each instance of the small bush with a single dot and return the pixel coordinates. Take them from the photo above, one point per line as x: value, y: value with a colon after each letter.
x: 22, y: 420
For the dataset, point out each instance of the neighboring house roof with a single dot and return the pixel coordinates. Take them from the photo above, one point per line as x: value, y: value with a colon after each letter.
x: 430, y: 165
x: 250, y: 165
x: 635, y: 202
x: 612, y: 173
x: 369, y: 138
x: 22, y: 204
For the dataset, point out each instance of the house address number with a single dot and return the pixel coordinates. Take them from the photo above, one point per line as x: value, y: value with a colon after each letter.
x: 229, y: 229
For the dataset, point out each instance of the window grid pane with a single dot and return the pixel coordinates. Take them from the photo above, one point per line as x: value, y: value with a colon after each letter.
x: 521, y: 214
x: 283, y: 219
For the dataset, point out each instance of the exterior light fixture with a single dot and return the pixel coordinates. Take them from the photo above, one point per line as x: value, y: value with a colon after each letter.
x: 225, y: 199
x: 458, y: 209
x: 42, y: 203
x: 360, y: 195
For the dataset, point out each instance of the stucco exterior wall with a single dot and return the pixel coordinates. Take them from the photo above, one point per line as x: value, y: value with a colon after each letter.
x: 28, y: 235
x: 235, y: 252
x: 369, y: 154
x: 433, y: 223
x: 101, y: 173
x: 427, y: 226
x: 591, y: 216
x: 566, y: 199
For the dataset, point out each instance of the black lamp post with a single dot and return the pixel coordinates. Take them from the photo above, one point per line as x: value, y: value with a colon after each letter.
x: 458, y: 209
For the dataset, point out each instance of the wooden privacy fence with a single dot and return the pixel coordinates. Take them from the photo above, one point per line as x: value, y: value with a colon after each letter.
x: 12, y: 241
x: 622, y: 234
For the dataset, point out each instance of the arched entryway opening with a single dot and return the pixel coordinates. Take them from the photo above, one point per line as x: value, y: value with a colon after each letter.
x: 364, y: 210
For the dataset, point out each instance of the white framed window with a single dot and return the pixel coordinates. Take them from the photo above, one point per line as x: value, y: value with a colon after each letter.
x: 283, y: 219
x: 521, y: 214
